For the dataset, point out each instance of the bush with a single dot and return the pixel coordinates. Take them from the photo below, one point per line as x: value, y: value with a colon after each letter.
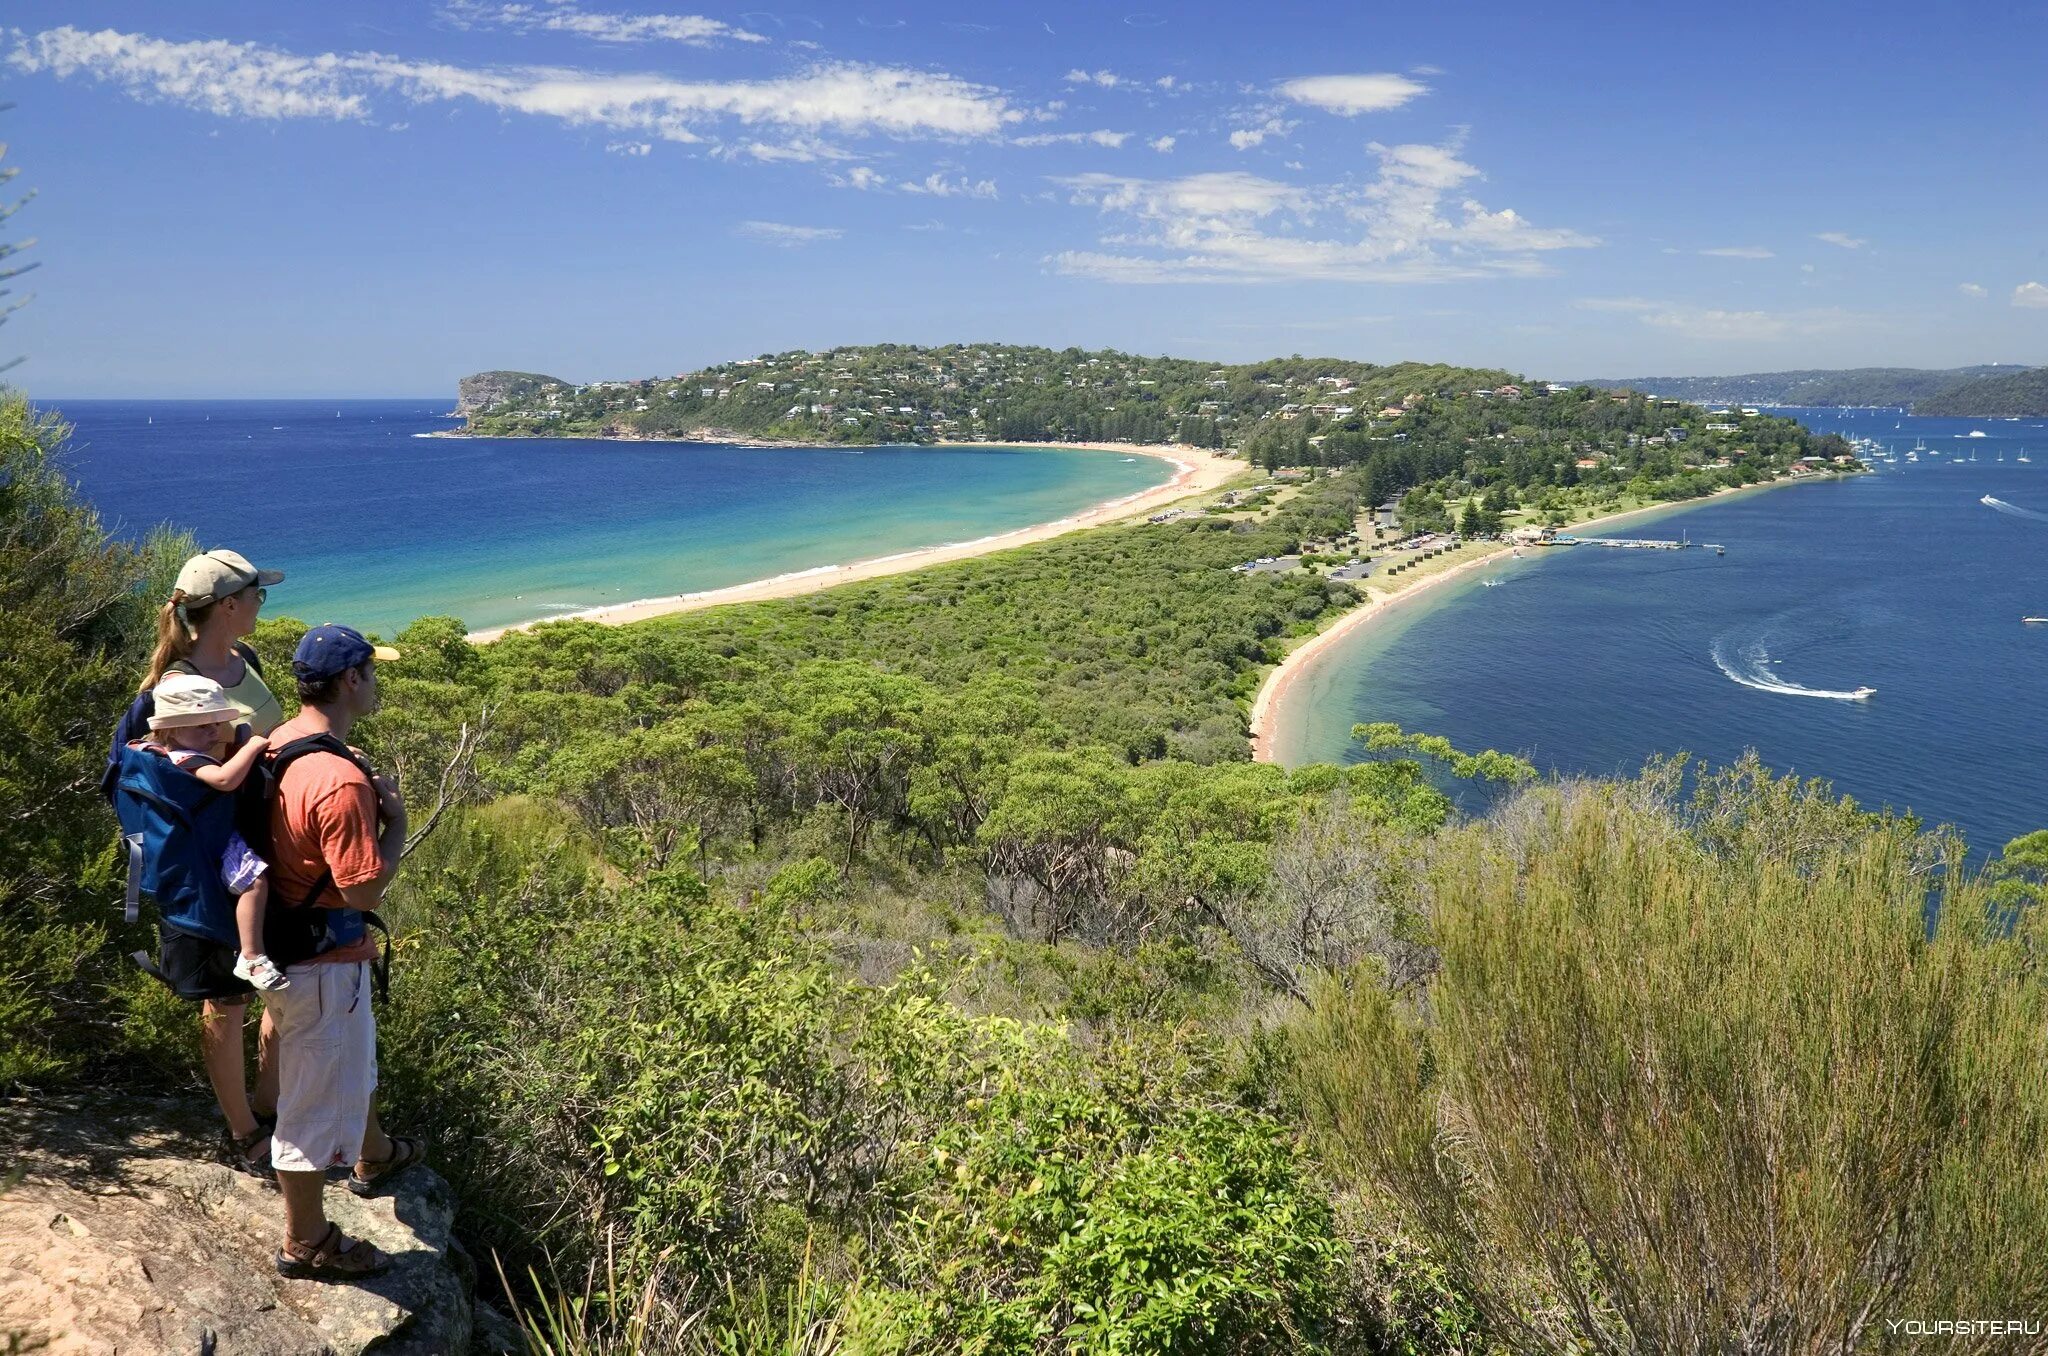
x: 1702, y: 1080
x: 75, y: 627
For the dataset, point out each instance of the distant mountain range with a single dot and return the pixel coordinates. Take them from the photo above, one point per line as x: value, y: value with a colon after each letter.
x: 1957, y: 391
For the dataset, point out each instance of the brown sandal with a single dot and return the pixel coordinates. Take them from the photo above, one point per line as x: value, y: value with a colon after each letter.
x: 405, y: 1151
x: 250, y: 1153
x: 336, y: 1257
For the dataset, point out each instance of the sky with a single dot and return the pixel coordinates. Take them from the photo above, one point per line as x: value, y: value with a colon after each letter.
x: 376, y: 198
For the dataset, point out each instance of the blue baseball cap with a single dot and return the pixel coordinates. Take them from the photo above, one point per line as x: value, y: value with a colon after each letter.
x: 330, y: 650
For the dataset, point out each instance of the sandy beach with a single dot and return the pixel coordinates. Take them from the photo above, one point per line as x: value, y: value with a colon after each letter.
x: 1196, y: 471
x: 1273, y: 692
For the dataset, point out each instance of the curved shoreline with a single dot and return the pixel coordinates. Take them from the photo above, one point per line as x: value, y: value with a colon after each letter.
x: 1265, y: 719
x: 1196, y: 471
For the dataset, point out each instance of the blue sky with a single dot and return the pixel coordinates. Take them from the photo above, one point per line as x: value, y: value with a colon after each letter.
x: 376, y: 198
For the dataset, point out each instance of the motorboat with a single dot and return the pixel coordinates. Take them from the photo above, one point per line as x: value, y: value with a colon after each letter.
x: 1863, y: 694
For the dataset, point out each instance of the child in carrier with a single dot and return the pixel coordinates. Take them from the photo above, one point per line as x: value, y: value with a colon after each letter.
x: 194, y: 726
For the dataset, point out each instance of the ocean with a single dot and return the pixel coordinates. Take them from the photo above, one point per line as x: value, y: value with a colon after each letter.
x: 1590, y: 661
x: 376, y: 526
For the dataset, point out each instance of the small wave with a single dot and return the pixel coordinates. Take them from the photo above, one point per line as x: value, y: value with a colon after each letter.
x: 2014, y: 509
x: 1751, y: 668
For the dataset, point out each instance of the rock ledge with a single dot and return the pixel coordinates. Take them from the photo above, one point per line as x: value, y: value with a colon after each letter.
x: 123, y: 1235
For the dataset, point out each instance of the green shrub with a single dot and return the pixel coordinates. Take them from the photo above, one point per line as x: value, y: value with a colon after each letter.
x: 1702, y: 1078
x: 74, y: 629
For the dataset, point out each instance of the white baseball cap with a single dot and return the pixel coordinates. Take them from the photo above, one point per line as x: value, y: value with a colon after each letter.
x: 189, y: 699
x: 215, y: 575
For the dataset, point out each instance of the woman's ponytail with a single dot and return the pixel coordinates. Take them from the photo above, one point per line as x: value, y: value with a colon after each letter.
x: 177, y: 633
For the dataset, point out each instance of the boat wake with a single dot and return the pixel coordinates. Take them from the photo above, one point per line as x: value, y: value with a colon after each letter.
x: 1751, y: 667
x: 2014, y: 509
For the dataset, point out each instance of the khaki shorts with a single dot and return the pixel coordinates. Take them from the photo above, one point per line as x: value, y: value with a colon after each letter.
x: 326, y: 1065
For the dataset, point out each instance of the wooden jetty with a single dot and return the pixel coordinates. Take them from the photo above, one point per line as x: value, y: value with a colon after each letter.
x: 1643, y: 544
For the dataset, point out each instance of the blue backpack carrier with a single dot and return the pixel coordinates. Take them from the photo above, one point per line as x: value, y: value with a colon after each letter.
x: 174, y: 828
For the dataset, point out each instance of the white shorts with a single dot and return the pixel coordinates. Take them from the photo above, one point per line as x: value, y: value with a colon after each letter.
x: 326, y: 1065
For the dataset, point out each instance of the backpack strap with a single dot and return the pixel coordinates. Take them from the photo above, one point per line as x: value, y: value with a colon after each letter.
x: 280, y: 761
x: 131, y: 906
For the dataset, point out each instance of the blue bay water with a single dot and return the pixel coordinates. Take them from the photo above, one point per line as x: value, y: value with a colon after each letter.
x: 375, y: 526
x: 1589, y: 660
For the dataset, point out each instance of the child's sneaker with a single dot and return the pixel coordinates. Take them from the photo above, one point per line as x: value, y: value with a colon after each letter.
x: 259, y: 971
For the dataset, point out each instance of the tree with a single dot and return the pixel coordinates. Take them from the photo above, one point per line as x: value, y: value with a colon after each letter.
x: 10, y: 248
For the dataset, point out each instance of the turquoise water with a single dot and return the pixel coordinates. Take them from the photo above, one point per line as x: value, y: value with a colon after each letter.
x: 375, y: 526
x: 1589, y: 660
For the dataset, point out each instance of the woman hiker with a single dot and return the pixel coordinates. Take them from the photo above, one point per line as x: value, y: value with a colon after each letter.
x: 202, y: 630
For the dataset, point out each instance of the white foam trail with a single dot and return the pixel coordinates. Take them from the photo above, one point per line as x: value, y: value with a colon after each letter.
x: 1753, y: 671
x: 2014, y: 509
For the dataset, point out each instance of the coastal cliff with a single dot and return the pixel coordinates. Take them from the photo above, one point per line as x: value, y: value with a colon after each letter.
x: 482, y: 390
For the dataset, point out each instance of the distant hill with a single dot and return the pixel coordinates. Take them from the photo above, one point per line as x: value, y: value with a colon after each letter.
x: 1812, y: 386
x: 901, y: 393
x: 2023, y: 393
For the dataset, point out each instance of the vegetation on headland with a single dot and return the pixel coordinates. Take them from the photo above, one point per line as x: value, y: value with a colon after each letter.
x: 1407, y: 426
x: 2008, y: 394
x: 904, y: 393
x: 1811, y: 386
x: 918, y: 967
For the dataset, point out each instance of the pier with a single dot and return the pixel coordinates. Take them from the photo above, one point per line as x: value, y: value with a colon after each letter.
x: 1642, y: 544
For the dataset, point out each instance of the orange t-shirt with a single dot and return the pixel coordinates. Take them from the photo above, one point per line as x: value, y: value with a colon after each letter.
x: 325, y: 819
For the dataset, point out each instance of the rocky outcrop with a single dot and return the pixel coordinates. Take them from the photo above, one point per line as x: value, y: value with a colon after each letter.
x: 120, y: 1234
x: 478, y: 392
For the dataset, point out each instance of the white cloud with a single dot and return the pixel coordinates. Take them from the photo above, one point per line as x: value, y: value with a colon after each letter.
x: 937, y: 185
x: 564, y: 17
x: 1718, y: 325
x: 1740, y: 252
x: 1244, y: 138
x: 797, y: 150
x: 1240, y: 227
x: 1842, y: 239
x: 1972, y: 289
x: 861, y: 177
x: 1162, y: 144
x: 1351, y: 95
x: 786, y: 236
x: 629, y: 147
x: 1106, y: 79
x: 1109, y: 139
x: 1622, y: 304
x: 2030, y: 294
x: 1166, y: 82
x: 249, y: 80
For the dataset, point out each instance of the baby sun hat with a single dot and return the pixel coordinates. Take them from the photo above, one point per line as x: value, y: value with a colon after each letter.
x: 188, y: 699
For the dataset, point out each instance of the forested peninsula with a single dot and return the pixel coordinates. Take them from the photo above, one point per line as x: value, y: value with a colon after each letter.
x: 2008, y: 395
x: 1810, y: 386
x: 920, y: 966
x: 1405, y: 426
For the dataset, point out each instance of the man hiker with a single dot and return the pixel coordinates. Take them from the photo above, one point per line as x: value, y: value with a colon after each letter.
x: 336, y: 832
